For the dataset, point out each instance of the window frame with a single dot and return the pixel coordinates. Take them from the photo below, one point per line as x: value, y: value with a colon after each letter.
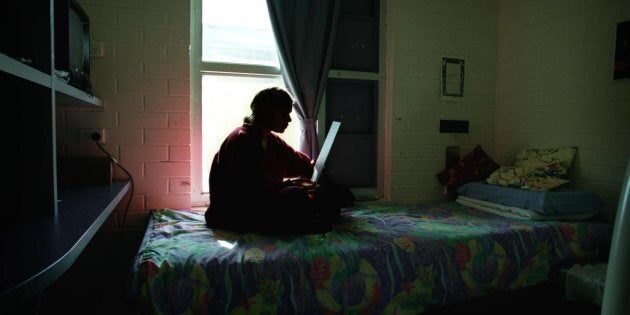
x: 198, y: 68
x: 383, y: 113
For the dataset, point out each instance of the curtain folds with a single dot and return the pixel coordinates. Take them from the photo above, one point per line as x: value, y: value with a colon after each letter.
x: 305, y: 33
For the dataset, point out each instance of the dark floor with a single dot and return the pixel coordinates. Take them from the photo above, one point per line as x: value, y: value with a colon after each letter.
x: 71, y: 295
x: 81, y: 290
x: 540, y: 299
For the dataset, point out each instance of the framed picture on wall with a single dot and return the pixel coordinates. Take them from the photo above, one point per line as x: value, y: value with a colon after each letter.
x: 452, y: 78
x: 622, y: 52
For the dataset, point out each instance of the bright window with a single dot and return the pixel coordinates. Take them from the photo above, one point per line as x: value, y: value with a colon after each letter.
x: 238, y: 32
x: 237, y: 57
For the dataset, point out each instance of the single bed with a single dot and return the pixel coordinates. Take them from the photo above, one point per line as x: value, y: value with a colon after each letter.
x: 390, y: 259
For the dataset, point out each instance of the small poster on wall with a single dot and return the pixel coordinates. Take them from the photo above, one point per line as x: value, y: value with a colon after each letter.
x: 622, y: 52
x: 452, y: 78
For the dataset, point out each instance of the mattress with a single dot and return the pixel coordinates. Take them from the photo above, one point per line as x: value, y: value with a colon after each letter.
x: 379, y: 259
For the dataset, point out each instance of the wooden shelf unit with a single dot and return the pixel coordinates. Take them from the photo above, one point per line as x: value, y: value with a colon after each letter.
x: 44, y: 229
x: 33, y: 92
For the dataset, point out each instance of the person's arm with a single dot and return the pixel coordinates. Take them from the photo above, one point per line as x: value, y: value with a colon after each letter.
x: 296, y: 163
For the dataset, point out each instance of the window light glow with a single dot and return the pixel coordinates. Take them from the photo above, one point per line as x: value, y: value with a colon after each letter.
x: 239, y: 32
x: 225, y: 102
x: 235, y: 35
x: 225, y: 244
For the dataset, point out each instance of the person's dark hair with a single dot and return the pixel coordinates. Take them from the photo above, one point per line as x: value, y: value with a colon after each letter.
x: 268, y: 100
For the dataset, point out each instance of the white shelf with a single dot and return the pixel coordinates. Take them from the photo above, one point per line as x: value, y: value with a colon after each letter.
x: 39, y: 252
x: 68, y: 95
x: 24, y: 71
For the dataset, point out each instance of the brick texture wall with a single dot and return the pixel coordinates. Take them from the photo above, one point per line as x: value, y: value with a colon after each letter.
x: 419, y: 34
x: 143, y: 78
x: 537, y: 74
x: 555, y: 87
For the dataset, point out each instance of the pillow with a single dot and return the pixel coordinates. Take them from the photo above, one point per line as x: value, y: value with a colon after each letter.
x: 536, y: 169
x: 475, y: 165
x: 520, y: 213
x: 515, y: 176
x: 538, y: 180
x: 507, y: 176
x: 559, y: 201
x: 553, y: 162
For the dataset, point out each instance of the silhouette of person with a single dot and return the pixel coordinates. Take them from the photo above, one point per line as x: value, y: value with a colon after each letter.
x: 258, y: 182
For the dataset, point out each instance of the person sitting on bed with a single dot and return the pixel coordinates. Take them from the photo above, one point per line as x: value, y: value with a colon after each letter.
x: 249, y: 190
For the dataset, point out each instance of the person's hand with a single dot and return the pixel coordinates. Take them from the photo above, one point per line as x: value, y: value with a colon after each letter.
x: 305, y: 183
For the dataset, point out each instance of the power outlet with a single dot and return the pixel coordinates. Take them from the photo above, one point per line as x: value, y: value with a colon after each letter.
x: 85, y: 135
x: 97, y: 49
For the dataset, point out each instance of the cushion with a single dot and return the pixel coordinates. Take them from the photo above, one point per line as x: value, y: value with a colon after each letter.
x: 553, y: 162
x: 537, y: 180
x: 558, y: 201
x: 515, y: 176
x: 475, y: 165
x: 507, y: 176
x: 536, y: 169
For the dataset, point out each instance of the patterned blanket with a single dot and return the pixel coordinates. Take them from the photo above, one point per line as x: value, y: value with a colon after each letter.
x: 380, y: 259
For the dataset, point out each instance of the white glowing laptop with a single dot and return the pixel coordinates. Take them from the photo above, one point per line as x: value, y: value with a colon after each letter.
x: 323, y: 153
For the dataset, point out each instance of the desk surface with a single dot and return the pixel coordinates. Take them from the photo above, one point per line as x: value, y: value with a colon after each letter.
x: 37, y: 253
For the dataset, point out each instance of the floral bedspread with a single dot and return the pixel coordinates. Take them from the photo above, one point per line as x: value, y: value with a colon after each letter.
x: 380, y: 259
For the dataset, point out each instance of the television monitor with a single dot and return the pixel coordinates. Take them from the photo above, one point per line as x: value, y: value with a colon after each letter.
x: 72, y: 44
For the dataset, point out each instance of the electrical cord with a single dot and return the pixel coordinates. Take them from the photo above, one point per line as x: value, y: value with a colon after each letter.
x: 97, y: 137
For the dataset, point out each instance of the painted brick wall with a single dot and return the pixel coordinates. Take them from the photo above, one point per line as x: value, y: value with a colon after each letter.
x: 419, y: 34
x: 143, y: 78
x: 527, y: 66
x: 555, y: 87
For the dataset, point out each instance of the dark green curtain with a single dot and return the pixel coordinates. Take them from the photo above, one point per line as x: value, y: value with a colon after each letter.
x: 305, y: 33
